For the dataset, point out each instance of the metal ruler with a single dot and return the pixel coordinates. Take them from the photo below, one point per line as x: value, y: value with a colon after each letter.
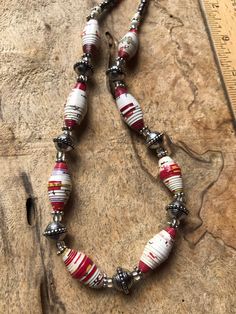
x: 220, y: 18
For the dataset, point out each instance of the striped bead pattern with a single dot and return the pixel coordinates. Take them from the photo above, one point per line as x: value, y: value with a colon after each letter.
x: 129, y: 108
x: 76, y: 105
x: 83, y: 268
x: 170, y: 174
x: 91, y: 37
x: 59, y: 186
x: 157, y: 250
x: 128, y: 45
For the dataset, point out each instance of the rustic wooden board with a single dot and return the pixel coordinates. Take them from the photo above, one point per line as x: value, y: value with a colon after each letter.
x: 117, y: 202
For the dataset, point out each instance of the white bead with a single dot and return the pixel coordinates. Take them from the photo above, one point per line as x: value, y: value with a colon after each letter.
x: 90, y: 35
x: 130, y: 109
x: 157, y: 249
x: 76, y: 105
x: 128, y: 45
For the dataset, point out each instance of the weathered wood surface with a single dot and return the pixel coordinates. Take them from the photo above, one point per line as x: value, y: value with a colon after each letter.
x: 118, y: 201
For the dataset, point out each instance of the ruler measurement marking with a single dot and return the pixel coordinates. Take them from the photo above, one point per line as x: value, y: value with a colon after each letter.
x: 220, y: 16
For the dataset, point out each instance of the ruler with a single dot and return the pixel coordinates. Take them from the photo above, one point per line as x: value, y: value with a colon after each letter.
x: 220, y: 18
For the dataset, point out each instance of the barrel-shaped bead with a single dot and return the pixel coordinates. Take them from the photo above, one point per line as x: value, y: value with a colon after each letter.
x: 91, y: 37
x: 157, y: 250
x: 129, y: 108
x: 81, y: 267
x: 128, y: 45
x: 59, y: 186
x: 76, y: 105
x: 170, y: 174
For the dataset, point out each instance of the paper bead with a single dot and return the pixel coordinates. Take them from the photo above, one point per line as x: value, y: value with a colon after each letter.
x: 91, y: 37
x: 128, y: 45
x: 170, y: 174
x: 129, y: 108
x: 76, y: 105
x: 157, y: 250
x: 83, y: 268
x: 59, y: 186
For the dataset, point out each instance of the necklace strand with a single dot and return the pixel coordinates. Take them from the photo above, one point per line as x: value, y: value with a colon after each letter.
x: 159, y: 247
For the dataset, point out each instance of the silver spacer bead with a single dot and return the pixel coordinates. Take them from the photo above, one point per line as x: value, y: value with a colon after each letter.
x: 107, y: 282
x: 60, y: 157
x: 174, y: 223
x: 95, y: 12
x: 153, y: 139
x: 61, y: 246
x: 177, y: 209
x: 57, y: 215
x: 119, y: 84
x: 161, y: 152
x: 137, y: 274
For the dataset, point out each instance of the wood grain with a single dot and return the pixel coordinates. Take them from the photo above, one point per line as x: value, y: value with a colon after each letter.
x: 117, y: 202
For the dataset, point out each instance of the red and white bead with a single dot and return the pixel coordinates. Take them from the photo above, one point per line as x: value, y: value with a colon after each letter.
x: 157, y: 250
x: 76, y: 105
x: 91, y: 37
x: 129, y: 108
x: 83, y: 268
x: 170, y: 174
x: 59, y: 186
x: 128, y: 45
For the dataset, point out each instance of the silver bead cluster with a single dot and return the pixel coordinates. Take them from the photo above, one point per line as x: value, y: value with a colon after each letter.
x: 154, y: 140
x: 177, y: 208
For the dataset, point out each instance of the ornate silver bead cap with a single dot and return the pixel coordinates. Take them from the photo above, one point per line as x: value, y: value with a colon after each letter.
x: 55, y: 230
x: 115, y: 73
x: 83, y: 67
x: 123, y: 280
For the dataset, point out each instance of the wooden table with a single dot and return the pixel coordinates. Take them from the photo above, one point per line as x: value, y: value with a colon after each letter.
x: 117, y: 202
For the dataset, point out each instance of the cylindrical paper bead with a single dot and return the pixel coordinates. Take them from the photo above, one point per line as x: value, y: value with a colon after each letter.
x: 83, y: 268
x: 76, y: 105
x: 157, y: 250
x: 59, y: 186
x: 170, y: 174
x: 128, y: 45
x: 129, y: 108
x: 91, y: 37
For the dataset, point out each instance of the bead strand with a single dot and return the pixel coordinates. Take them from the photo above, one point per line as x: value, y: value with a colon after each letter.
x: 158, y: 248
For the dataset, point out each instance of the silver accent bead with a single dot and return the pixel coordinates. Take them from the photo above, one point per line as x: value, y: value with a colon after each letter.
x: 95, y: 12
x: 137, y: 274
x: 123, y: 280
x: 55, y: 230
x: 83, y: 67
x: 115, y: 73
x: 161, y: 152
x: 174, y: 223
x: 177, y: 209
x: 64, y: 142
x: 107, y: 282
x: 61, y: 246
x: 60, y: 157
x: 57, y: 215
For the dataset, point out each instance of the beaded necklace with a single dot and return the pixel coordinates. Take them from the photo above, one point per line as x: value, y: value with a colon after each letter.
x: 157, y: 249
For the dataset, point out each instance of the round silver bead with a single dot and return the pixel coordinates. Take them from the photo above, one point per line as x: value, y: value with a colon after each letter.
x: 60, y: 157
x: 115, y: 73
x: 55, y: 230
x: 174, y: 223
x: 57, y: 215
x: 177, y: 209
x: 123, y: 280
x: 64, y: 142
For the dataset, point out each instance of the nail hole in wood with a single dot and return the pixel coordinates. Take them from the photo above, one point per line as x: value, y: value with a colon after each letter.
x: 30, y: 211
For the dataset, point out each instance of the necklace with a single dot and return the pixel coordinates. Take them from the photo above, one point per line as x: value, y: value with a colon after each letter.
x: 159, y: 247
